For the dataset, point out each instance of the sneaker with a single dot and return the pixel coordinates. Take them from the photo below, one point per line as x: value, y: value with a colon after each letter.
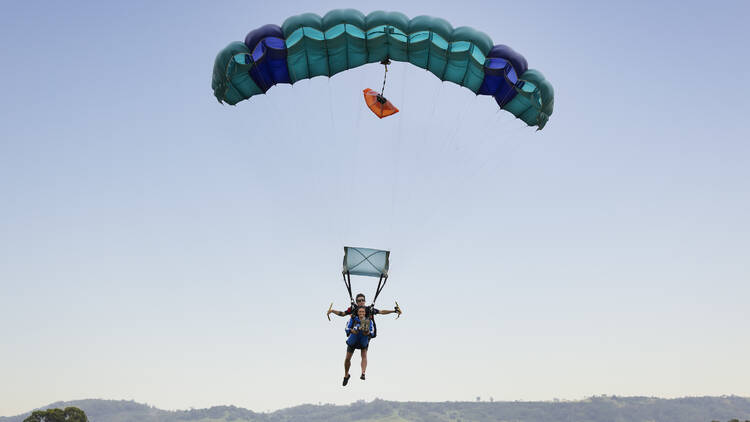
x: 346, y: 380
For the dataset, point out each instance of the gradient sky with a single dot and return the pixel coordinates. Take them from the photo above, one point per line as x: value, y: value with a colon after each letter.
x: 158, y: 246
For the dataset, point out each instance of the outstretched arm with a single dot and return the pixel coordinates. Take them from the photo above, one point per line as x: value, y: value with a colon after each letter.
x: 335, y: 312
x: 395, y: 310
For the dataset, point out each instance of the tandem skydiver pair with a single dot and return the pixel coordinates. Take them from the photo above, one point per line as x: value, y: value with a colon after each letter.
x: 359, y: 330
x: 361, y: 327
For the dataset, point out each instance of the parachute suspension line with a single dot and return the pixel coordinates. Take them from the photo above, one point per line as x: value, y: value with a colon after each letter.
x: 381, y: 284
x: 484, y: 135
x: 437, y: 99
x: 397, y: 152
x: 381, y: 99
x: 505, y: 147
x: 426, y: 133
x: 330, y: 106
x: 385, y: 62
x: 489, y: 140
x: 362, y: 80
x: 348, y: 284
x: 457, y: 125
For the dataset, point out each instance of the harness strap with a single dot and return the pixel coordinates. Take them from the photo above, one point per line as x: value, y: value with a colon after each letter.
x: 348, y: 284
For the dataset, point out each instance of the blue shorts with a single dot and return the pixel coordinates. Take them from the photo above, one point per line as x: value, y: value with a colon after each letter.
x: 357, y: 341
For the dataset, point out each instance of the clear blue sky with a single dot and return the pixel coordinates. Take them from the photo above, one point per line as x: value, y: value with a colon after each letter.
x: 158, y: 246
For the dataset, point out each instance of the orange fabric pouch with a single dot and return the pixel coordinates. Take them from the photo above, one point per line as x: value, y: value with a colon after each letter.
x: 378, y: 104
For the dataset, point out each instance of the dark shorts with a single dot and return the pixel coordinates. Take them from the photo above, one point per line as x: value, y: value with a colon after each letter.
x: 350, y: 349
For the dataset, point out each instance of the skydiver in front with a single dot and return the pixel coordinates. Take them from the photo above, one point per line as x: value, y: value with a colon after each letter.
x: 359, y: 329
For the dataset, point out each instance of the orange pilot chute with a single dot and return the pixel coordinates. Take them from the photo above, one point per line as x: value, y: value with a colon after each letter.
x: 379, y: 104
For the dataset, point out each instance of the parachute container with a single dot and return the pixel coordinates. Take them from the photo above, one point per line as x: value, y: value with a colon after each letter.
x: 379, y: 104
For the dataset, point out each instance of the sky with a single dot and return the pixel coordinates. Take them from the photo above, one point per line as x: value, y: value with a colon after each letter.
x: 158, y: 246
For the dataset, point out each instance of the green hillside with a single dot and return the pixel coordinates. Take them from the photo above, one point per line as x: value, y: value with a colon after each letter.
x: 594, y: 409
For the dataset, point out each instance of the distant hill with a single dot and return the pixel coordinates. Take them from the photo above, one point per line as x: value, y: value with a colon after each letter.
x: 594, y: 409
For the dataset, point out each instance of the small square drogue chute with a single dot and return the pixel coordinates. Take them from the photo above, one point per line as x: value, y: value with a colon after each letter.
x: 365, y: 262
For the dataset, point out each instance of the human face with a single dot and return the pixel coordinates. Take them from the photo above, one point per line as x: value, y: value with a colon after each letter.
x: 361, y: 312
x: 361, y: 301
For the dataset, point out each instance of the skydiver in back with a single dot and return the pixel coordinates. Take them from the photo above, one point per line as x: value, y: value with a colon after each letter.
x: 359, y: 330
x: 361, y: 304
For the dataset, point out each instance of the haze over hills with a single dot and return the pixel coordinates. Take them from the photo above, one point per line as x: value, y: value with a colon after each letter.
x: 593, y: 409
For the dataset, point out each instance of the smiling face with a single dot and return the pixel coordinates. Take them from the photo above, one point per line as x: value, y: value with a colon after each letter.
x: 361, y: 313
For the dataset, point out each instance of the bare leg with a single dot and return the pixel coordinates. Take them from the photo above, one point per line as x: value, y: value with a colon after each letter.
x: 364, y: 360
x: 347, y: 362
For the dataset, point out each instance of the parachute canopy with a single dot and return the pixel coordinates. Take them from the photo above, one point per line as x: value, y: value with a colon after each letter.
x: 308, y: 45
x: 367, y: 262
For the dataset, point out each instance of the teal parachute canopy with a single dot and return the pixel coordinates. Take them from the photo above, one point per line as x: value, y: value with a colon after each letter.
x: 308, y: 45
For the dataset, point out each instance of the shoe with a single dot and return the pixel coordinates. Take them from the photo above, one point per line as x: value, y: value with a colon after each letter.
x: 346, y: 380
x: 362, y: 377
